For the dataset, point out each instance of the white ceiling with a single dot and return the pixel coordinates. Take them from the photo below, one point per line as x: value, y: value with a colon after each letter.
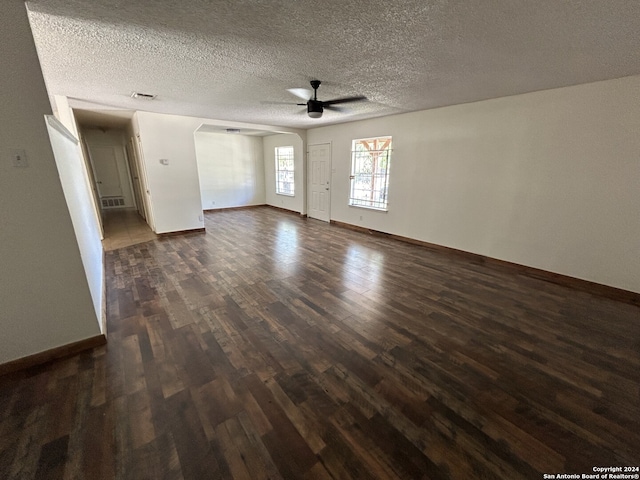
x: 221, y: 58
x: 252, y: 132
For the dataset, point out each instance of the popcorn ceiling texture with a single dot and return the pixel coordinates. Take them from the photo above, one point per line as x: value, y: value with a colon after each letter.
x: 220, y: 59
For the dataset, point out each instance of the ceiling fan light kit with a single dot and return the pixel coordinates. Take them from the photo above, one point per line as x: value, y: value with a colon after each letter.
x: 316, y: 107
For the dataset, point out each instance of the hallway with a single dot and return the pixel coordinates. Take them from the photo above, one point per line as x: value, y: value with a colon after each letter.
x: 123, y: 228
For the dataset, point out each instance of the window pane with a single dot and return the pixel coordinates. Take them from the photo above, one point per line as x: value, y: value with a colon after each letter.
x: 370, y: 172
x: 285, y: 170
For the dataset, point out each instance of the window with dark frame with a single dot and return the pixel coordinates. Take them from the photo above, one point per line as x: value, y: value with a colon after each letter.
x: 285, y: 184
x: 370, y: 161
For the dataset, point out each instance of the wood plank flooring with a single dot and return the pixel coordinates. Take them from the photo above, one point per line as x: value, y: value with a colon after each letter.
x: 279, y: 347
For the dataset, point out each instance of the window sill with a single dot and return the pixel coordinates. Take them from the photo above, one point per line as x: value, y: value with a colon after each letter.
x: 286, y: 194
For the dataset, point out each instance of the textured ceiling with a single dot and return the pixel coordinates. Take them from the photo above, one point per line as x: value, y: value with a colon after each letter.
x: 221, y: 59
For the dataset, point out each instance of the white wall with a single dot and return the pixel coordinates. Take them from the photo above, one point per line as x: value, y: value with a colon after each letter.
x: 96, y: 138
x: 230, y: 169
x: 64, y: 113
x: 44, y: 295
x: 549, y: 179
x: 174, y: 188
x: 297, y: 202
x: 77, y: 191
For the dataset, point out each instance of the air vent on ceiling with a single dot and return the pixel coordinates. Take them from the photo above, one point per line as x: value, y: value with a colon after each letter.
x: 233, y: 130
x: 110, y: 202
x: 143, y: 96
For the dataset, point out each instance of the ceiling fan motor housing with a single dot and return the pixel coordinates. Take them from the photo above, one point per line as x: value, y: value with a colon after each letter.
x: 314, y: 108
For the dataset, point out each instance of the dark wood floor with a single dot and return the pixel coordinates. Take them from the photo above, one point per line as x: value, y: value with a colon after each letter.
x: 278, y: 347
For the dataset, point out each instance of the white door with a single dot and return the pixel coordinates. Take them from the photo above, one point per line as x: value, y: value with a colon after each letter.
x: 105, y: 165
x: 319, y: 171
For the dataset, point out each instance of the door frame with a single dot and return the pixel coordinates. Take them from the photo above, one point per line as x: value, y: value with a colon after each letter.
x: 136, y: 182
x: 144, y: 180
x: 123, y: 169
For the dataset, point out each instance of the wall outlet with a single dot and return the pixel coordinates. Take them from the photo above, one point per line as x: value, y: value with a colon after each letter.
x: 19, y: 158
x: 201, y: 218
x: 360, y: 217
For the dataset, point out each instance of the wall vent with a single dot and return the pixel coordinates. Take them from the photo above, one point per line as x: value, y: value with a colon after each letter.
x: 111, y: 202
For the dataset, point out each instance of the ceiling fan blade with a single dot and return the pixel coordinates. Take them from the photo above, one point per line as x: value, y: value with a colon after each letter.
x: 280, y: 103
x: 303, y: 93
x: 334, y: 109
x: 344, y: 100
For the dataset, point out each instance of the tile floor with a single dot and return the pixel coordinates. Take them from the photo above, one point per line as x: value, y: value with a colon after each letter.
x: 124, y: 227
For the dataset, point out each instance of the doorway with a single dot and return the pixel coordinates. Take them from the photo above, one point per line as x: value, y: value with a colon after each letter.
x: 110, y: 168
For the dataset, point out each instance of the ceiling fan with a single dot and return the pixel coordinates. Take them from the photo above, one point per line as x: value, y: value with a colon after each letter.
x: 315, y: 107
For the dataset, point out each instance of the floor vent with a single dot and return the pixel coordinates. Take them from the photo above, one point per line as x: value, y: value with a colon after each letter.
x: 110, y: 202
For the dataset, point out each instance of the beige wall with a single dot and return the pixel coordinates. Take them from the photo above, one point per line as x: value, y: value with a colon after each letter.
x: 549, y: 179
x: 44, y: 295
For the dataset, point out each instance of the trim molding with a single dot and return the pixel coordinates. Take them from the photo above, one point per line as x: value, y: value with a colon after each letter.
x: 53, y: 354
x: 587, y: 286
x: 181, y: 232
x: 59, y: 126
x: 242, y: 207
x: 286, y: 210
x: 103, y: 307
x: 245, y: 207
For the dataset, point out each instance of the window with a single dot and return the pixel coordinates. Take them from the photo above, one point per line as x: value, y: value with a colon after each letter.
x: 370, y: 159
x: 285, y: 184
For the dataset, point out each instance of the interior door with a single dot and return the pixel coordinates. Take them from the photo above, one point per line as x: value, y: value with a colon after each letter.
x: 105, y: 166
x: 319, y: 168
